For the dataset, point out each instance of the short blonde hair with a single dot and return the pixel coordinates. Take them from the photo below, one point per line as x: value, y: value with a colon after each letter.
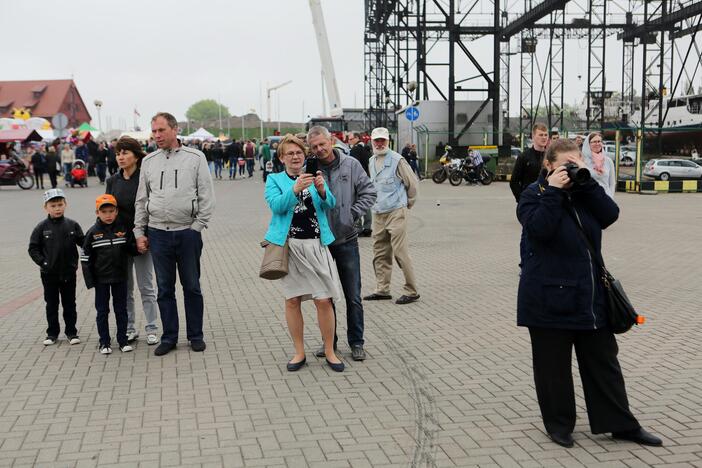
x: 290, y: 140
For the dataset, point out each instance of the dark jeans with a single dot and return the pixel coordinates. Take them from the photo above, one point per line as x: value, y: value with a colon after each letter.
x: 348, y: 264
x: 171, y: 251
x: 39, y: 178
x: 66, y: 290
x: 67, y: 172
x: 101, y: 169
x: 218, y: 168
x: 119, y: 304
x: 250, y: 167
x: 52, y: 178
x: 603, y: 382
x: 414, y: 164
x: 232, y: 168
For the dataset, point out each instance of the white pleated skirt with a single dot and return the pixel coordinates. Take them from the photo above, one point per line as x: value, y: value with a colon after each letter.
x: 312, y: 272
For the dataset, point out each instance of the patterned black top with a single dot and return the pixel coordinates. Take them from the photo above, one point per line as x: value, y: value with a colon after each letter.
x: 304, y: 223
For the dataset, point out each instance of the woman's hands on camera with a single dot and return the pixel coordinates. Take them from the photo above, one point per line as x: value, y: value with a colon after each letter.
x: 319, y: 184
x: 305, y: 180
x: 559, y: 178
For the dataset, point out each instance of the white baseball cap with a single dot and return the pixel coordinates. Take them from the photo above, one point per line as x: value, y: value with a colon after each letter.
x: 53, y: 193
x: 380, y: 132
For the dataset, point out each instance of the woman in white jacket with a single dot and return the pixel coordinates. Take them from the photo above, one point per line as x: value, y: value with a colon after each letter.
x: 600, y: 165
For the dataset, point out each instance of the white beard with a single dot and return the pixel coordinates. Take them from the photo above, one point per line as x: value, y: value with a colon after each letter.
x: 381, y: 152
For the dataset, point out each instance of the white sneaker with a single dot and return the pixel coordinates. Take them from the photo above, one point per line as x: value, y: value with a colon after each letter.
x: 132, y: 335
x: 105, y: 350
x: 151, y: 339
x: 74, y: 340
x: 49, y: 341
x: 126, y: 349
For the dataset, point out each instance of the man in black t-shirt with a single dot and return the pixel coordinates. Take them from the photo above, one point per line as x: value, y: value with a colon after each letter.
x: 528, y: 165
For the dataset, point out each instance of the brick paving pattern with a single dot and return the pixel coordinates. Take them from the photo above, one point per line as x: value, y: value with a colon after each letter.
x: 448, y: 381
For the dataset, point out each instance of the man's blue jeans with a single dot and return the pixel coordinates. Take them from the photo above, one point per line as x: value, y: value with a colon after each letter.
x: 348, y: 264
x: 179, y: 250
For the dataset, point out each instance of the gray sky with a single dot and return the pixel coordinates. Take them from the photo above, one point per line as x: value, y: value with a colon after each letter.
x: 165, y: 55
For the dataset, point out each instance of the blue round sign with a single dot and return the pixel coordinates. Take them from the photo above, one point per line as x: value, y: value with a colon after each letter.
x: 412, y: 113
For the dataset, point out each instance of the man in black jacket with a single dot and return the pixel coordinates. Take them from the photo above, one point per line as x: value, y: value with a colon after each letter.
x: 528, y: 165
x: 52, y: 246
x: 362, y: 153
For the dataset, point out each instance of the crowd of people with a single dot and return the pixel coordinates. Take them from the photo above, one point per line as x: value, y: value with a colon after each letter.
x: 155, y: 207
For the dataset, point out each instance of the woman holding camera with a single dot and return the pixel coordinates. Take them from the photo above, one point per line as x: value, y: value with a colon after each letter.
x: 300, y: 202
x: 561, y: 300
x: 600, y: 165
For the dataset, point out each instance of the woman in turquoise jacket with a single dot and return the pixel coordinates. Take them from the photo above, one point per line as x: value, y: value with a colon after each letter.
x: 300, y: 202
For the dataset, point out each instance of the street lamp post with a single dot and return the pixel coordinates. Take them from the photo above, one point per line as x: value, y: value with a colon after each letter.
x: 98, y: 105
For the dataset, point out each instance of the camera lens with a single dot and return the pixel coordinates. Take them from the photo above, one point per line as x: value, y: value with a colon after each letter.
x: 579, y: 175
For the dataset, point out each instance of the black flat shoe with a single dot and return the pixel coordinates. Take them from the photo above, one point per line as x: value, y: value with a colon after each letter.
x: 164, y: 348
x: 640, y: 436
x: 562, y: 439
x: 357, y: 353
x: 198, y: 346
x: 404, y: 299
x: 296, y: 366
x: 336, y: 367
x: 377, y: 297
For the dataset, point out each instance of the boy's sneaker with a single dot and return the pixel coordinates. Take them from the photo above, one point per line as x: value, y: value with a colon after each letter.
x: 104, y: 349
x: 126, y: 348
x: 49, y: 341
x: 74, y: 340
x: 132, y: 335
x: 151, y: 339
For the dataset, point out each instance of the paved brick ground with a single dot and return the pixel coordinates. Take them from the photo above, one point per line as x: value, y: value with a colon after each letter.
x: 448, y: 381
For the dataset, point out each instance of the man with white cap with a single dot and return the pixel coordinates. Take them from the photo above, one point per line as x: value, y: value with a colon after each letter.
x: 397, y: 191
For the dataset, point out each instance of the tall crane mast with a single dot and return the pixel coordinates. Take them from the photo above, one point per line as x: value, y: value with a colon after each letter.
x: 325, y: 57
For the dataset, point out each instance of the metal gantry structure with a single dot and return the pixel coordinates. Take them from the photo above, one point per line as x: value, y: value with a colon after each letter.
x: 428, y: 49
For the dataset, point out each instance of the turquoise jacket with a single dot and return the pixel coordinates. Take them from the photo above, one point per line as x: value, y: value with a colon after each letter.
x: 282, y: 200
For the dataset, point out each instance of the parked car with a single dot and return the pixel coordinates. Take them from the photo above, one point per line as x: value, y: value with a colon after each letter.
x: 666, y: 169
x: 515, y: 152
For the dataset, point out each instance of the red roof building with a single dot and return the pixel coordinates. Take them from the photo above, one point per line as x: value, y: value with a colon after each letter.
x: 44, y: 98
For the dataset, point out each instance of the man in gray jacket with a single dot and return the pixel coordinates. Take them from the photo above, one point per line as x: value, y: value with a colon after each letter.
x: 354, y: 194
x: 173, y: 205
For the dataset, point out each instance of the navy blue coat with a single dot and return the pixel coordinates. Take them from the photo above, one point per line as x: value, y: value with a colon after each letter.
x: 560, y: 285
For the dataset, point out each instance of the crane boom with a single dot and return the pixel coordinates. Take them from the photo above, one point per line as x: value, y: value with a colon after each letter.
x: 325, y: 57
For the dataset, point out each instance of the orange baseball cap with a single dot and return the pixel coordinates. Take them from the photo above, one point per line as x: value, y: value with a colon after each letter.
x: 105, y: 199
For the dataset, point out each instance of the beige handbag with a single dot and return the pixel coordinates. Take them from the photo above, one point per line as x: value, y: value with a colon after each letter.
x: 275, y: 261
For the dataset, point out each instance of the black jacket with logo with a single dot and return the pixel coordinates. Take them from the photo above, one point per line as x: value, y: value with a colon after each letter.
x: 106, y: 252
x: 52, y: 246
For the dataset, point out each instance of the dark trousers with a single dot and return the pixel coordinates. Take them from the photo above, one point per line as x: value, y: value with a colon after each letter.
x: 171, y: 251
x: 39, y: 178
x: 348, y: 264
x: 101, y: 169
x: 250, y: 167
x: 52, y: 178
x: 119, y: 304
x: 66, y: 290
x: 603, y: 382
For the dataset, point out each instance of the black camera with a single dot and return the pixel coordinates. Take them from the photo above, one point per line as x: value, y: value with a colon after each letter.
x: 311, y: 166
x: 578, y: 175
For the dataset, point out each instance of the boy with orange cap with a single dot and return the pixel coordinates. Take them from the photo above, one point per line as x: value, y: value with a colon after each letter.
x: 105, y: 251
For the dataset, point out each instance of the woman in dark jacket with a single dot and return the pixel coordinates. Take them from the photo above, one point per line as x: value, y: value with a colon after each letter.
x: 561, y: 300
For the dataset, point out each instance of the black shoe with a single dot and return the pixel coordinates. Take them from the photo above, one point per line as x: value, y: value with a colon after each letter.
x: 164, y: 348
x: 366, y: 233
x: 296, y: 366
x: 336, y: 367
x: 357, y: 353
x: 404, y: 299
x: 198, y: 346
x: 320, y: 351
x: 377, y: 297
x: 640, y: 436
x: 562, y: 439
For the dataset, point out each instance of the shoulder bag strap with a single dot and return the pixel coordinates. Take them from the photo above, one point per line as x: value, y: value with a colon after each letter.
x: 595, y: 255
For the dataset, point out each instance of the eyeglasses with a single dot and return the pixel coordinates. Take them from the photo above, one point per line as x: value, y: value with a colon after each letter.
x: 595, y: 141
x: 294, y: 153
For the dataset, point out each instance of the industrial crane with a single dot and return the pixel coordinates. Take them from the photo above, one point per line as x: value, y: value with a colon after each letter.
x: 325, y: 57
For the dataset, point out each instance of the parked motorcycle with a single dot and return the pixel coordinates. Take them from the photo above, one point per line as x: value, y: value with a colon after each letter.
x: 448, y: 164
x: 466, y: 171
x: 14, y: 172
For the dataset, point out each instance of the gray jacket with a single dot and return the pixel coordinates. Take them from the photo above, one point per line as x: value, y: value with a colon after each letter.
x: 175, y: 191
x: 354, y: 193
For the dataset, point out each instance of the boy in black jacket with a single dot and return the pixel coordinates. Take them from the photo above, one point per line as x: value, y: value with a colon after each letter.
x: 105, y: 250
x: 52, y: 246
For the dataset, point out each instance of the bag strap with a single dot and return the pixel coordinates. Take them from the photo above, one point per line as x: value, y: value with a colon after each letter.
x: 595, y: 255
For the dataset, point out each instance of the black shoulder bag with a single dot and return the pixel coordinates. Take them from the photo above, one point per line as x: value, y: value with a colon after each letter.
x: 621, y: 314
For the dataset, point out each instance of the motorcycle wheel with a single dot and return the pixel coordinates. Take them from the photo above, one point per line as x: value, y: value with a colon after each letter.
x: 25, y: 182
x: 439, y: 176
x: 456, y: 178
x: 486, y: 178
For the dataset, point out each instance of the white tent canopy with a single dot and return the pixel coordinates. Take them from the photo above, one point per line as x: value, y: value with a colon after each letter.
x: 201, y: 134
x: 140, y: 136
